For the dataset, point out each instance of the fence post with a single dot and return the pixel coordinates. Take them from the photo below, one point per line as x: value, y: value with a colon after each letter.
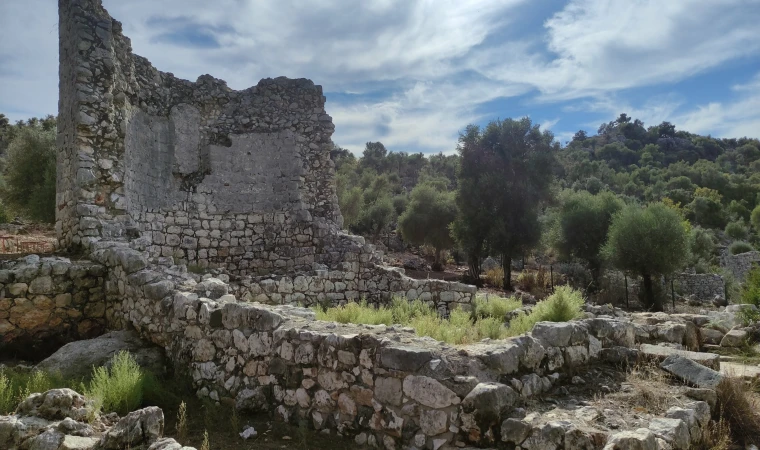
x: 625, y: 276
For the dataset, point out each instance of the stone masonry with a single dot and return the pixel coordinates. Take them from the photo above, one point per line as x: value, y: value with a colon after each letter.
x: 203, y: 175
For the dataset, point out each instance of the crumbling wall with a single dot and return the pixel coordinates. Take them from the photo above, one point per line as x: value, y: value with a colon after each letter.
x: 46, y: 302
x: 210, y: 176
x: 704, y: 287
x: 740, y: 264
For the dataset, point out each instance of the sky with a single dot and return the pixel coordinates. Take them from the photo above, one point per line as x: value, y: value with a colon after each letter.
x: 413, y: 74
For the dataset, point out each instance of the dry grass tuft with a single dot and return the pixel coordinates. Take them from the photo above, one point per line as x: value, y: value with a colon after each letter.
x: 739, y: 409
x: 651, y: 392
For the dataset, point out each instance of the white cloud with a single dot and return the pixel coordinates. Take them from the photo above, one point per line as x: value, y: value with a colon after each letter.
x: 421, y: 69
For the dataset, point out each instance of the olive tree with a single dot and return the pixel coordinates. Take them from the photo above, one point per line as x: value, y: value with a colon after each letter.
x: 581, y: 224
x: 427, y: 218
x: 649, y: 241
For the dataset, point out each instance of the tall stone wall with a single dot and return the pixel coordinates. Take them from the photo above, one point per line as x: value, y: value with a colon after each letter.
x: 703, y: 286
x: 210, y: 176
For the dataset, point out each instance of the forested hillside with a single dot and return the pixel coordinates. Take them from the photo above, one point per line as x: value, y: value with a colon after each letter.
x: 530, y: 203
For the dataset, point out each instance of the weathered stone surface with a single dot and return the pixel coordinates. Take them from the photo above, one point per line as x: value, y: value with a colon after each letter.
x: 57, y: 404
x: 514, y: 431
x: 78, y: 443
x: 691, y: 372
x: 658, y: 352
x: 641, y: 439
x: 734, y: 338
x: 488, y: 400
x: 673, y: 431
x: 76, y: 359
x: 388, y: 390
x: 407, y: 359
x: 433, y: 422
x: 141, y: 427
x: 429, y: 392
x: 168, y: 444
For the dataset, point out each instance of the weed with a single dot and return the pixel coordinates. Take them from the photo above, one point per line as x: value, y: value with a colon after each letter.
x: 205, y: 445
x: 492, y: 306
x: 563, y: 305
x: 7, y: 405
x: 738, y: 410
x: 495, y: 277
x: 182, y: 422
x: 234, y: 421
x: 119, y: 389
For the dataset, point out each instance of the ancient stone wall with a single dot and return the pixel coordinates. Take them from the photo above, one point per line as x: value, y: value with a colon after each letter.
x: 740, y: 264
x: 704, y: 287
x: 211, y: 176
x: 46, y: 302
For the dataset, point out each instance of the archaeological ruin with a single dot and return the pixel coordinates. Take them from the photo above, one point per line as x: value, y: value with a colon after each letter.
x: 205, y: 219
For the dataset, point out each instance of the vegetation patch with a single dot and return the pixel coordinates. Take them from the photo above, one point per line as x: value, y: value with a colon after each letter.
x: 119, y: 389
x: 487, y: 320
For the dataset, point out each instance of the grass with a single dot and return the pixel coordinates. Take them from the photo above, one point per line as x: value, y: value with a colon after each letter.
x: 16, y: 385
x: 492, y: 306
x: 738, y: 409
x: 563, y: 305
x: 495, y: 277
x: 486, y: 320
x: 119, y: 389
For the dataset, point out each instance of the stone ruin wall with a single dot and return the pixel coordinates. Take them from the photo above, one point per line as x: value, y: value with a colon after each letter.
x: 740, y: 264
x: 47, y: 302
x: 704, y: 287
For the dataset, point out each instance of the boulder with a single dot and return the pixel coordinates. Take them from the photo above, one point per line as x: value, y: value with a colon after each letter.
x: 691, y: 372
x: 168, y: 444
x: 734, y: 338
x: 57, y: 404
x: 76, y: 359
x: 641, y: 439
x: 488, y: 400
x: 138, y: 428
x: 673, y: 431
x: 212, y: 288
x: 659, y: 353
x: 711, y: 336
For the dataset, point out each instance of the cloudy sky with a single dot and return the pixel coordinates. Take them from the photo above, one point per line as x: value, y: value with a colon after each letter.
x: 413, y: 73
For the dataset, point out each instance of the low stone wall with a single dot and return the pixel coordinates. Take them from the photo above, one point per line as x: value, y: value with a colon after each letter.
x: 703, y: 286
x: 373, y: 283
x: 379, y: 385
x: 740, y: 264
x: 46, y: 302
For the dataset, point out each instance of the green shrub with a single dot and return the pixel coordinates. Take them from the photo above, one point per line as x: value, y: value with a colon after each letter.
x: 495, y: 277
x: 119, y: 389
x: 7, y: 404
x: 459, y: 328
x: 563, y: 305
x: 29, y: 174
x: 750, y: 293
x: 736, y: 231
x: 16, y: 386
x: 492, y: 306
x: 740, y: 247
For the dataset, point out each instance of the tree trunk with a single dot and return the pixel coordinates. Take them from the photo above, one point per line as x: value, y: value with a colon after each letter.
x: 437, y: 266
x: 652, y: 303
x: 506, y: 264
x: 473, y: 267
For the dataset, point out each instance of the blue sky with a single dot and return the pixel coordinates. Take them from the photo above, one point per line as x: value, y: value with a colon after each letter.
x: 413, y: 73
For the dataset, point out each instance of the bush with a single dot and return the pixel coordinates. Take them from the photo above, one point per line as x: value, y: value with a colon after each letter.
x: 739, y: 247
x: 459, y: 328
x: 492, y: 306
x: 495, y: 277
x: 736, y: 231
x: 7, y: 404
x: 29, y: 174
x: 527, y: 281
x: 750, y: 293
x: 563, y: 305
x: 119, y: 389
x: 738, y: 410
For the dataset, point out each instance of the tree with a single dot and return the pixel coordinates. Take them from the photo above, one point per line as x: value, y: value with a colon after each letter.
x: 505, y: 176
x: 650, y: 242
x: 581, y: 225
x: 427, y: 218
x: 377, y: 216
x: 755, y: 219
x: 351, y: 203
x: 29, y: 173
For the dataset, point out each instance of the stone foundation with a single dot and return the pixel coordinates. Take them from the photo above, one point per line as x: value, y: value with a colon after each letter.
x: 46, y: 302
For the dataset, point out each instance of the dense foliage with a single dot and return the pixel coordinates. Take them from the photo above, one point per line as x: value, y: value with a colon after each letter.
x: 511, y: 200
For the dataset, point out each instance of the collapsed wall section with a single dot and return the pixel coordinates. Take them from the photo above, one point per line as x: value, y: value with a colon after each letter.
x: 47, y: 302
x: 207, y: 175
